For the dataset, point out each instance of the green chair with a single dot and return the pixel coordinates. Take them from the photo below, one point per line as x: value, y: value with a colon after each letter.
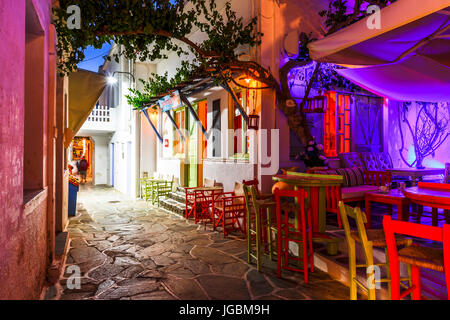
x: 257, y: 225
x: 368, y: 239
x: 160, y: 188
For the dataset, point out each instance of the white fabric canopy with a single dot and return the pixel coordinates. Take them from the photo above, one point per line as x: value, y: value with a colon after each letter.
x: 409, y: 57
x: 415, y: 78
x: 403, y: 25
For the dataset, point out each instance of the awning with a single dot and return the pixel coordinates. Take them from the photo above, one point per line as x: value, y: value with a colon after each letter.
x: 405, y: 26
x: 85, y: 87
x: 407, y: 59
x: 415, y: 78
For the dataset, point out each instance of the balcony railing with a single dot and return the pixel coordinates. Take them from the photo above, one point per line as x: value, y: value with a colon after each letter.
x: 102, y: 118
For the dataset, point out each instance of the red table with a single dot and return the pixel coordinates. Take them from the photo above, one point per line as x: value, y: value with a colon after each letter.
x: 315, y: 185
x: 393, y: 197
x: 434, y: 195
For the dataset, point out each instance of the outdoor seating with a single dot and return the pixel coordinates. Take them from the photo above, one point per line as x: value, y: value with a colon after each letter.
x: 417, y: 256
x: 261, y: 224
x: 356, y: 184
x: 298, y: 231
x: 229, y: 210
x: 368, y: 239
x: 160, y: 188
x: 191, y: 200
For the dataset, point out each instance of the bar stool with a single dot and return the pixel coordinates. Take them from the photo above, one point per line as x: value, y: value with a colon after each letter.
x: 259, y: 217
x: 299, y: 231
x: 416, y: 255
x: 368, y: 239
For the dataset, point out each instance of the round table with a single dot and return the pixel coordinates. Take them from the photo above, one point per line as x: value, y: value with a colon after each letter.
x: 315, y: 185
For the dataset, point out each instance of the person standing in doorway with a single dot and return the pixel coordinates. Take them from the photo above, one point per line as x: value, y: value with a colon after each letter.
x: 83, y: 166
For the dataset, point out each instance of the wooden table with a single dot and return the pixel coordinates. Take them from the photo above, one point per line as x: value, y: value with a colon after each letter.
x: 429, y: 196
x: 415, y: 173
x: 315, y: 185
x: 393, y: 197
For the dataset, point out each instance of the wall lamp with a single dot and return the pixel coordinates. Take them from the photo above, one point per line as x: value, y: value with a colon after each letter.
x: 113, y: 80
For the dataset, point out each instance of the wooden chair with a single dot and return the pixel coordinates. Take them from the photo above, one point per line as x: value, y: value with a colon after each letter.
x: 255, y: 184
x: 300, y: 232
x: 368, y: 239
x: 260, y: 224
x: 160, y: 188
x: 416, y: 255
x: 190, y: 198
x: 229, y: 210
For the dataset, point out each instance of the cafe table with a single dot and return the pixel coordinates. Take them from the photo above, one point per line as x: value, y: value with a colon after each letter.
x: 316, y: 186
x: 391, y: 197
x: 415, y: 173
x: 434, y: 195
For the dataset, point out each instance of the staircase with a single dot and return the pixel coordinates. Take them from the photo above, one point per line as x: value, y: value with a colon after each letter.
x: 175, y: 201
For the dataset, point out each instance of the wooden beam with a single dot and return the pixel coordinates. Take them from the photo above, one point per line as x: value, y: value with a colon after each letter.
x: 227, y: 87
x: 185, y: 100
x: 152, y: 125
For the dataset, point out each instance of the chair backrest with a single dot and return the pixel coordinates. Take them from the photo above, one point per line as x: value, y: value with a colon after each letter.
x: 209, y: 182
x: 356, y: 214
x: 253, y: 183
x: 247, y: 197
x: 392, y: 227
x: 300, y: 196
x: 238, y: 188
x: 447, y: 173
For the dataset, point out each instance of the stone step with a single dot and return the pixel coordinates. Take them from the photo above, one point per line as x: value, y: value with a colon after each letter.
x: 172, y: 206
x: 177, y: 196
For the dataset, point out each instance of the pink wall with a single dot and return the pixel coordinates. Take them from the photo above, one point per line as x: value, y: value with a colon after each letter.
x: 23, y: 228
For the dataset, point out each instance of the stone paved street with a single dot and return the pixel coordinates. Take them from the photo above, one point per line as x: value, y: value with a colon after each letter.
x: 127, y: 249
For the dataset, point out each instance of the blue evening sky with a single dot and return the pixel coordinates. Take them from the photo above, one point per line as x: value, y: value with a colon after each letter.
x: 94, y: 57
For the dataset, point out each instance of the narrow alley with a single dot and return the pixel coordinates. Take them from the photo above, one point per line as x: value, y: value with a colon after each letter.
x: 126, y: 249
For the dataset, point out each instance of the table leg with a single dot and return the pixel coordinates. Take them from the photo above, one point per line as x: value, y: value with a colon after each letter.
x: 403, y: 211
x: 368, y: 208
x: 315, y: 210
x: 322, y: 209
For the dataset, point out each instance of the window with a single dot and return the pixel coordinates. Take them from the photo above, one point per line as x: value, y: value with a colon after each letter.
x: 216, y: 145
x: 240, y: 143
x: 178, y: 145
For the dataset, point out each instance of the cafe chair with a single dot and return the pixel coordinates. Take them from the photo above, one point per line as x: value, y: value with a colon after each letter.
x: 191, y: 206
x: 368, y: 239
x: 298, y: 230
x: 261, y: 225
x: 255, y: 184
x: 417, y: 256
x: 229, y: 211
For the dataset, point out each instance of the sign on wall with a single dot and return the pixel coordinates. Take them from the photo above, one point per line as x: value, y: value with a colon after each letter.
x: 171, y: 101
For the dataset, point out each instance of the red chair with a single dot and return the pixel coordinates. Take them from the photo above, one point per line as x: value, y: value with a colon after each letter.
x: 192, y: 198
x: 299, y: 231
x: 255, y: 183
x: 415, y: 255
x: 228, y: 210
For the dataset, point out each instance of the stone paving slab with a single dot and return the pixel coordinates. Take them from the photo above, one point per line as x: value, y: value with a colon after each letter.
x: 128, y: 249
